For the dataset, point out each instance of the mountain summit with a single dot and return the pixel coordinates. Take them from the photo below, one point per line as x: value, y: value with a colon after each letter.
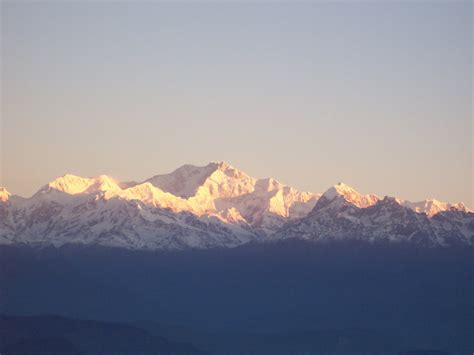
x: 218, y: 205
x: 219, y: 188
x: 72, y: 185
x: 186, y: 181
x: 4, y: 194
x: 346, y: 192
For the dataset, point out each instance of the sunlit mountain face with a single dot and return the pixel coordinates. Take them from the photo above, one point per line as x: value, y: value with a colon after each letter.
x: 219, y: 206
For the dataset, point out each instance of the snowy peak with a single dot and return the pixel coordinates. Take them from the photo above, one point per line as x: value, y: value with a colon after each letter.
x: 432, y: 207
x: 340, y: 189
x: 390, y: 204
x: 217, y: 205
x: 202, y: 186
x: 214, y: 190
x: 346, y: 192
x: 385, y: 221
x: 268, y: 185
x: 186, y: 180
x: 227, y: 181
x: 73, y: 185
x: 4, y: 195
x: 182, y: 182
x: 221, y: 190
x: 221, y: 165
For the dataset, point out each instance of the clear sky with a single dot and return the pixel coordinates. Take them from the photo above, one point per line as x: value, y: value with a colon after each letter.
x: 311, y: 93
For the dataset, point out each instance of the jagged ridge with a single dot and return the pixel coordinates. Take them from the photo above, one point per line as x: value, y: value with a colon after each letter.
x: 218, y: 206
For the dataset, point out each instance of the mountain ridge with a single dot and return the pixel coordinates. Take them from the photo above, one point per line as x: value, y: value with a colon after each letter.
x: 217, y: 205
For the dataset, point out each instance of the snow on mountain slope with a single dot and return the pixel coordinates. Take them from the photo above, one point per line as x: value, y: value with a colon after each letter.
x: 217, y: 188
x: 285, y: 201
x: 217, y: 179
x: 431, y: 206
x: 120, y: 222
x: 270, y: 204
x: 100, y: 210
x: 7, y: 231
x: 219, y: 206
x: 224, y: 182
x: 4, y: 194
x: 454, y: 227
x: 343, y: 191
x: 151, y: 195
x: 339, y: 215
x: 73, y: 185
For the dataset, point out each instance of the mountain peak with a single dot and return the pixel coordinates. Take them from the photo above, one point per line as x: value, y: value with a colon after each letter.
x: 391, y: 201
x: 221, y: 165
x: 341, y: 190
x: 219, y: 205
x: 186, y: 180
x: 73, y: 184
x: 4, y: 194
x: 268, y: 184
x: 432, y: 206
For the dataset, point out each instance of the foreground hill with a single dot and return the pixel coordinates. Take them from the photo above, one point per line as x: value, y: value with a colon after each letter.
x: 49, y: 335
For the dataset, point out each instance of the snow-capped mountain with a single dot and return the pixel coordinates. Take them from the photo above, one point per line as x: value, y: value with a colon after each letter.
x: 7, y: 229
x: 111, y: 220
x: 4, y: 194
x: 344, y: 192
x: 230, y: 194
x: 218, y: 205
x: 342, y: 213
x: 431, y: 206
x: 198, y: 207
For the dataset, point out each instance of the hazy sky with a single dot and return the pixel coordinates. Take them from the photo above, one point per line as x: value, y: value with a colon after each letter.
x: 311, y: 93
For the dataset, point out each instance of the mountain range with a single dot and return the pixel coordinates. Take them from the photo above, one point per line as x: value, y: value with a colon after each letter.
x: 219, y: 206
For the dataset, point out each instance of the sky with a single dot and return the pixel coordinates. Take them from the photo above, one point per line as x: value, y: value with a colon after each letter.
x: 378, y: 96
